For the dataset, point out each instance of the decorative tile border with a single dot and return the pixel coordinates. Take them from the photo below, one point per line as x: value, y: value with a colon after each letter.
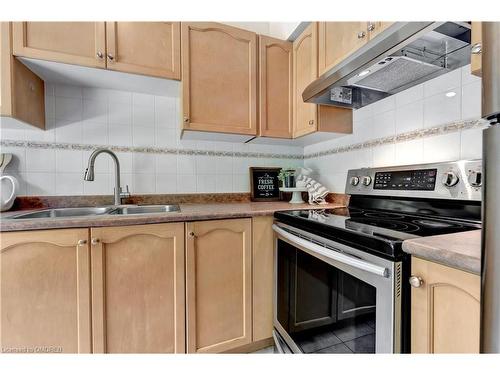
x: 147, y: 150
x: 403, y: 137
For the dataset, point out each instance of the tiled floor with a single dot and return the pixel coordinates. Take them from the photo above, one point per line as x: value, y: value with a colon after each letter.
x: 351, y: 338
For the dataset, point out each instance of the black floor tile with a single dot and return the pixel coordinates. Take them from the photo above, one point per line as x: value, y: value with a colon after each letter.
x: 353, y: 331
x: 364, y: 344
x: 318, y: 342
x: 335, y: 349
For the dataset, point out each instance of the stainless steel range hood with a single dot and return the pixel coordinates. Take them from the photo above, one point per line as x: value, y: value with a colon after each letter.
x: 402, y: 56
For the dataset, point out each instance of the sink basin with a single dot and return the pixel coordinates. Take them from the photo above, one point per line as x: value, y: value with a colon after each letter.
x: 93, y: 211
x: 137, y: 210
x: 65, y: 212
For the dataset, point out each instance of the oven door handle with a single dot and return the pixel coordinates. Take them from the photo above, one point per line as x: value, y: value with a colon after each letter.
x: 332, y: 254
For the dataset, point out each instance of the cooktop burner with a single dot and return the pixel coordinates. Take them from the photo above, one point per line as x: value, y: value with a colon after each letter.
x: 381, y: 230
x: 388, y: 224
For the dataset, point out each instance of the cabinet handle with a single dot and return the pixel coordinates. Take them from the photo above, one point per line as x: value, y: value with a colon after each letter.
x: 371, y: 26
x: 191, y: 234
x: 110, y: 57
x: 81, y: 242
x: 361, y: 35
x: 476, y: 49
x: 100, y: 55
x: 311, y: 122
x: 95, y: 241
x: 416, y: 281
x: 186, y: 119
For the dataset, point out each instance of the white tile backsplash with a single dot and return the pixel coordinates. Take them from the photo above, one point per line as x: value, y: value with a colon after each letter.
x: 425, y: 105
x: 442, y: 148
x: 118, y: 118
x: 410, y: 117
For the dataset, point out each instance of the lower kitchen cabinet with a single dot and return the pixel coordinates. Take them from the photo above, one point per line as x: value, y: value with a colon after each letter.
x: 45, y: 291
x: 138, y: 289
x: 218, y: 285
x: 262, y: 277
x: 445, y: 309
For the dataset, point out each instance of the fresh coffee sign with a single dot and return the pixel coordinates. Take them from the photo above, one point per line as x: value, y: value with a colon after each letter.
x: 264, y: 184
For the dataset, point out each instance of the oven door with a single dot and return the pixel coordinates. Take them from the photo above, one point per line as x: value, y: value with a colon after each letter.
x: 331, y: 298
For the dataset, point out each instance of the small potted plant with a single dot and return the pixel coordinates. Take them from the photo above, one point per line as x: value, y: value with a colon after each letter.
x: 287, y: 177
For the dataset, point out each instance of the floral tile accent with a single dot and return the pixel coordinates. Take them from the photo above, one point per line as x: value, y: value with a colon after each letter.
x: 403, y: 137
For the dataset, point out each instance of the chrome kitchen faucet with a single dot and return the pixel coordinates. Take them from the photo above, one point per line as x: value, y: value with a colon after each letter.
x: 89, y: 174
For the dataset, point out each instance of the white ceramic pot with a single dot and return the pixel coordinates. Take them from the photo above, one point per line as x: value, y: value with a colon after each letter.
x: 8, y: 191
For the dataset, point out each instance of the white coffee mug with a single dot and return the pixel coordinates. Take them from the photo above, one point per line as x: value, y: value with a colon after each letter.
x: 9, y: 187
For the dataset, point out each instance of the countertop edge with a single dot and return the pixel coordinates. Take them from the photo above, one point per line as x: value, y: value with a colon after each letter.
x: 446, y: 257
x: 192, y: 212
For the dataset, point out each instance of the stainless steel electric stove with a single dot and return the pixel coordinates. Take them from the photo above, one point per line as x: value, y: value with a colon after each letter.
x: 341, y: 280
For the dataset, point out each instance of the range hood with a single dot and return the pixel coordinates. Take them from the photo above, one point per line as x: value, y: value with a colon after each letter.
x: 404, y: 55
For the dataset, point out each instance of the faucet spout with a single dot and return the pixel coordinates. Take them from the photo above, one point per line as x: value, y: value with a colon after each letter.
x: 89, y: 173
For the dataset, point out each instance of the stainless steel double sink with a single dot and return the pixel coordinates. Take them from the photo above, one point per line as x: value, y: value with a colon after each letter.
x: 96, y: 211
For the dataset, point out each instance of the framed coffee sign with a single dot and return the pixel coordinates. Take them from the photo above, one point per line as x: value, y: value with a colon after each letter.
x: 264, y: 184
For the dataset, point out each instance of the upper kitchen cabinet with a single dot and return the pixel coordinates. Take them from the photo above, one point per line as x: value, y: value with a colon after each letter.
x: 219, y: 285
x: 45, y: 291
x: 138, y: 289
x: 376, y: 27
x: 21, y: 91
x: 337, y: 40
x: 476, y: 40
x: 78, y: 43
x: 149, y: 48
x: 275, y: 87
x: 219, y: 78
x: 309, y: 118
x: 304, y: 72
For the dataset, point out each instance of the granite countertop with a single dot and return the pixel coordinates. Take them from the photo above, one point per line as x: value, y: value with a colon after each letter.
x: 188, y: 212
x: 458, y: 250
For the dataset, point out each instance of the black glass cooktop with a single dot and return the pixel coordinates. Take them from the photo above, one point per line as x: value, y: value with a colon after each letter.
x: 374, y: 230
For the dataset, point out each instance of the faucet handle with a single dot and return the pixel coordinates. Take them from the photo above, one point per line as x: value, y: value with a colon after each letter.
x: 126, y: 193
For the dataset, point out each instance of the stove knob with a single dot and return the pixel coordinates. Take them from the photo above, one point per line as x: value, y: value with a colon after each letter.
x: 367, y: 180
x: 450, y: 179
x: 475, y: 178
x: 354, y: 180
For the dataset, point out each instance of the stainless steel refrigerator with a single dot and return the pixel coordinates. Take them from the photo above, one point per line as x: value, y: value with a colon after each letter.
x: 490, y: 286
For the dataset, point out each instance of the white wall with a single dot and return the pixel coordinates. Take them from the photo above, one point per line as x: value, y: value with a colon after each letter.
x: 418, y: 108
x: 78, y: 116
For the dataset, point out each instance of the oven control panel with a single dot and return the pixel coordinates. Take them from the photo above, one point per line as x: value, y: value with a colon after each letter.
x: 450, y: 180
x: 420, y: 179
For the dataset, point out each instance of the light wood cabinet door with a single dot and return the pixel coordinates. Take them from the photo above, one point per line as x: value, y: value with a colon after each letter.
x: 218, y: 287
x: 138, y: 289
x: 275, y: 87
x: 305, y: 61
x: 337, y: 40
x: 476, y: 39
x: 79, y: 43
x: 45, y: 291
x: 376, y: 27
x: 444, y: 309
x: 262, y: 276
x: 149, y: 48
x: 22, y: 93
x: 219, y: 78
